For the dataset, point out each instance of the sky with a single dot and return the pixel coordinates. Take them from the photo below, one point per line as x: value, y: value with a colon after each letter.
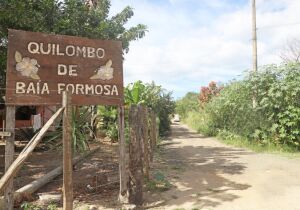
x: 192, y: 42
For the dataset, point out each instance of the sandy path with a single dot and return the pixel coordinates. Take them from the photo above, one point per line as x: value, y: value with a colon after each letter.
x: 209, y: 175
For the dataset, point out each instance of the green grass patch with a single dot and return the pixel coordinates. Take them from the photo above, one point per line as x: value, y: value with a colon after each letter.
x: 197, y: 121
x: 238, y: 141
x: 158, y: 183
x: 177, y: 168
x: 32, y: 206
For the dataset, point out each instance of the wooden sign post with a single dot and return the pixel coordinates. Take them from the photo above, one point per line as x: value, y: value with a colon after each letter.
x: 135, y: 156
x: 9, y: 155
x: 123, y: 159
x: 43, y: 68
x: 145, y: 147
x: 40, y: 67
x: 67, y: 153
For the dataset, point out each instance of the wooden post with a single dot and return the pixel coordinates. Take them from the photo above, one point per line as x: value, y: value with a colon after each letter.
x: 135, y: 162
x: 93, y: 126
x: 123, y: 164
x: 254, y: 47
x: 28, y: 149
x: 153, y: 133
x: 145, y: 139
x: 67, y: 153
x: 155, y: 130
x: 9, y: 155
x: 254, y: 36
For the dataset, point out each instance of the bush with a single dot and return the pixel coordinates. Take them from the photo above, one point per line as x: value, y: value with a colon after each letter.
x: 277, y: 115
x: 81, y: 129
x: 233, y: 111
x: 187, y: 104
x: 155, y: 97
x: 148, y: 94
x: 107, y: 121
x: 209, y: 92
x: 200, y: 122
x: 164, y: 108
x: 276, y: 118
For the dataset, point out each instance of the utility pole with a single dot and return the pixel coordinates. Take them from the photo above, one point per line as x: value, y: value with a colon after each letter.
x: 254, y: 43
x: 254, y: 36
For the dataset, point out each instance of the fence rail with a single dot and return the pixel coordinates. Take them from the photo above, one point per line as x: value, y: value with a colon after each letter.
x: 134, y: 158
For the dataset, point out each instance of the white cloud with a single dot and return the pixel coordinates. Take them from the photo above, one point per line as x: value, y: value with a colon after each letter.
x: 185, y: 50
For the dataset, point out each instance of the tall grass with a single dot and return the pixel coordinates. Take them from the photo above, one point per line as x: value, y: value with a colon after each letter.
x: 198, y: 121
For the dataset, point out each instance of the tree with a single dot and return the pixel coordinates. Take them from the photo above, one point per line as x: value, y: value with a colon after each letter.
x: 207, y: 93
x: 86, y: 18
x: 190, y: 102
x: 154, y: 97
x: 291, y: 52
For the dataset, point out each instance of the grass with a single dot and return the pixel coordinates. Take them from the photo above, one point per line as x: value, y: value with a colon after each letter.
x: 196, y: 122
x: 238, y: 141
x: 32, y: 206
x: 158, y: 183
x: 177, y: 168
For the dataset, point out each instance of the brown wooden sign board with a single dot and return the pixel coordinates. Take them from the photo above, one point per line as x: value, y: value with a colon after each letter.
x: 41, y: 66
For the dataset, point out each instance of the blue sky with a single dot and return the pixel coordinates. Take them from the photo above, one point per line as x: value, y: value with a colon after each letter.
x: 191, y: 42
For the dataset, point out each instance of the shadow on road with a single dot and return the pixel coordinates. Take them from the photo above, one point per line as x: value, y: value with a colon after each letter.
x: 198, y: 170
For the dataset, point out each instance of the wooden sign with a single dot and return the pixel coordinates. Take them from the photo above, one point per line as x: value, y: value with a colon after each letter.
x: 41, y: 66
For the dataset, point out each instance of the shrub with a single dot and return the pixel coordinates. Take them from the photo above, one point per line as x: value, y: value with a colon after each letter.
x: 277, y: 115
x: 155, y: 97
x: 276, y: 118
x: 200, y: 122
x: 207, y: 93
x: 81, y: 129
x: 148, y: 94
x: 187, y: 104
x: 107, y: 117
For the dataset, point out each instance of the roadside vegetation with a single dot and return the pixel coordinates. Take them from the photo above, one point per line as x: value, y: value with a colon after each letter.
x: 102, y: 121
x: 150, y: 95
x: 227, y: 111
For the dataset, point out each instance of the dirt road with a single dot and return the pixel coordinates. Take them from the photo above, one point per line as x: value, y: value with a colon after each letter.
x: 209, y: 175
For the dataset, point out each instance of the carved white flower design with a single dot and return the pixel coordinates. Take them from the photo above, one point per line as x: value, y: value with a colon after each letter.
x: 26, y: 66
x: 104, y: 72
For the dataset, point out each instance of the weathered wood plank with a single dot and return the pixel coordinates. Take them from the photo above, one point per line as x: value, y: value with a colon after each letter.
x: 153, y: 133
x: 67, y: 153
x: 29, y: 189
x: 145, y: 139
x: 135, y: 161
x: 18, y: 163
x: 123, y: 161
x: 9, y: 155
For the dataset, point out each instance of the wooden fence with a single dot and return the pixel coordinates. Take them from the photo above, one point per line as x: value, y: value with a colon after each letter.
x: 134, y: 163
x: 143, y: 138
x: 13, y: 166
